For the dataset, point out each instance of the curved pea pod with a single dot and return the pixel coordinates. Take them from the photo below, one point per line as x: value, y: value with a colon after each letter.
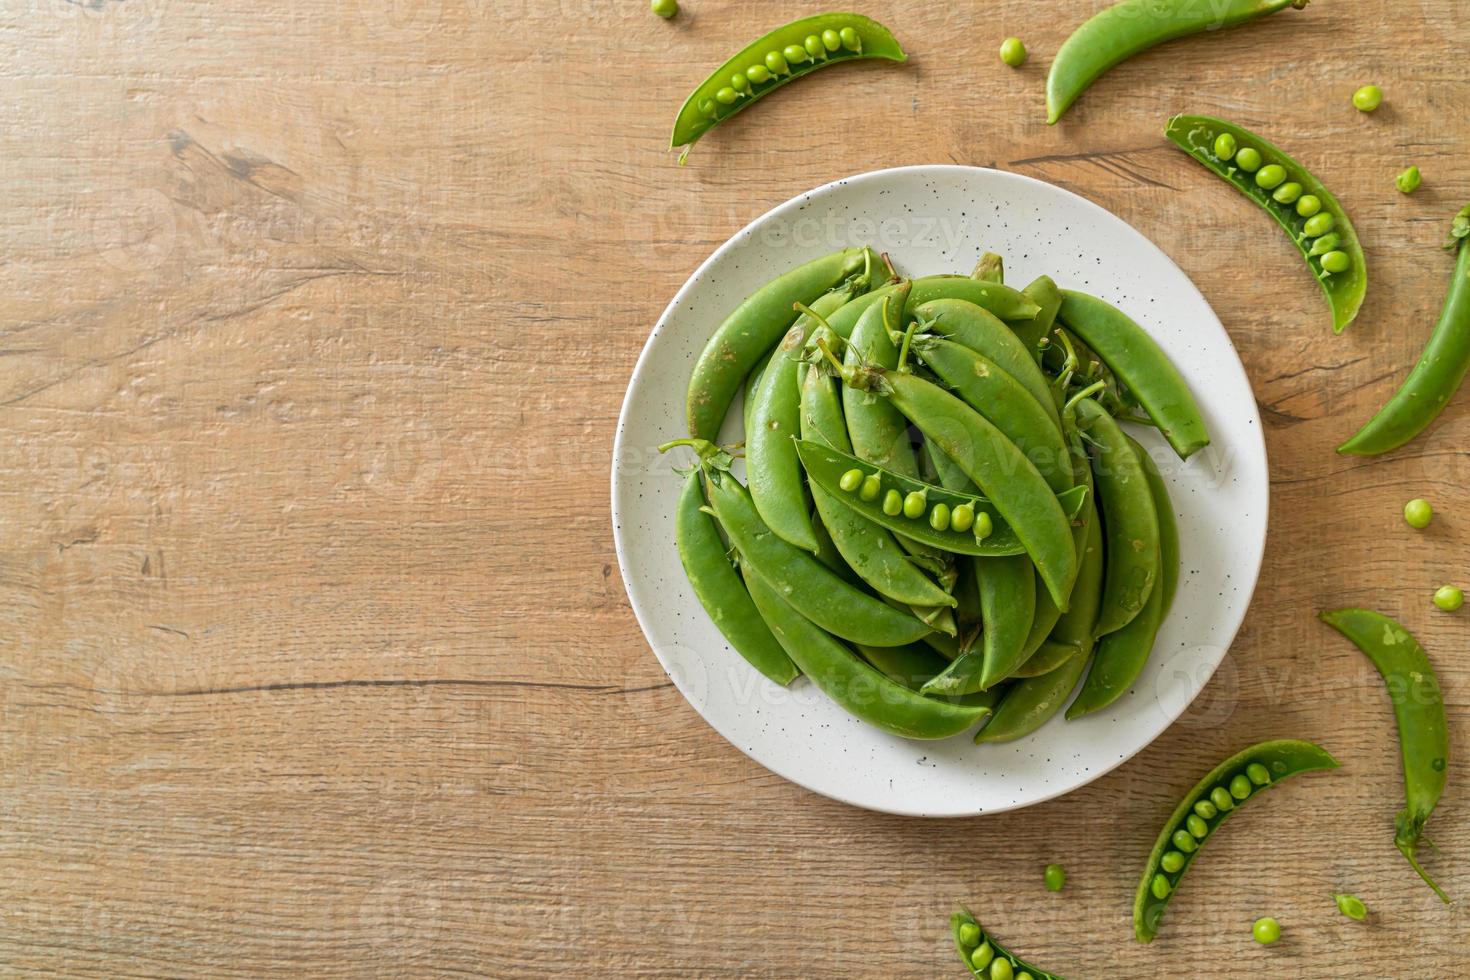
x: 1441, y: 368
x: 1048, y: 657
x: 755, y: 327
x: 1030, y: 703
x: 999, y: 300
x: 915, y: 664
x: 1137, y: 361
x: 1120, y: 658
x: 1168, y: 528
x: 1045, y: 294
x: 1133, y: 26
x: 1007, y: 594
x: 817, y: 593
x: 879, y: 431
x: 977, y: 329
x: 1418, y: 708
x: 1239, y: 778
x: 720, y: 590
x: 859, y: 688
x: 752, y: 381
x: 825, y: 466
x: 979, y: 951
x: 1197, y: 135
x: 771, y: 61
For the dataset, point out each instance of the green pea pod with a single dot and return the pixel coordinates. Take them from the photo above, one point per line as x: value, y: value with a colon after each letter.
x: 1048, y: 657
x: 1120, y: 658
x: 755, y: 327
x: 1345, y: 289
x: 1132, y: 523
x: 719, y: 589
x: 970, y: 326
x: 1007, y: 593
x: 772, y: 470
x: 752, y: 381
x: 1418, y: 707
x: 1001, y: 301
x: 1044, y: 293
x: 979, y: 951
x: 1133, y: 26
x: 771, y: 61
x: 1225, y: 788
x: 856, y: 686
x: 913, y: 665
x: 1030, y: 703
x: 817, y: 593
x: 1168, y: 528
x: 1077, y: 626
x: 1441, y: 368
x: 1133, y: 356
x: 878, y: 430
x: 828, y: 554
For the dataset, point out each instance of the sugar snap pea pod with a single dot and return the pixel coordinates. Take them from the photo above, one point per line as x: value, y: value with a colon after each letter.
x: 1133, y: 26
x: 1031, y: 702
x: 1044, y: 293
x: 772, y: 470
x: 1137, y: 361
x: 1418, y: 707
x: 719, y: 589
x: 818, y: 593
x: 980, y: 952
x: 859, y: 688
x: 1237, y: 779
x: 970, y: 326
x: 756, y: 326
x: 999, y: 300
x: 879, y: 431
x: 915, y: 664
x: 1048, y: 657
x: 769, y: 62
x: 1007, y: 593
x: 1206, y: 139
x: 751, y: 381
x: 1168, y: 528
x: 828, y: 554
x: 1120, y: 658
x: 1441, y: 368
x: 945, y: 473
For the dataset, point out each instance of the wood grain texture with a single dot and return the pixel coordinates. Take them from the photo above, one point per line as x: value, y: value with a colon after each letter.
x: 313, y: 656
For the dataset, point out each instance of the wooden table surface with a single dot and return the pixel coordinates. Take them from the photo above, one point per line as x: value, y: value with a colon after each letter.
x: 317, y: 318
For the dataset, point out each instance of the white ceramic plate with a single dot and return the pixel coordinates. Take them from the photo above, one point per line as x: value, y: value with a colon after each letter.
x: 940, y: 219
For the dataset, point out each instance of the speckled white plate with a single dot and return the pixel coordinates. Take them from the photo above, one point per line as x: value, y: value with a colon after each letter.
x: 940, y: 219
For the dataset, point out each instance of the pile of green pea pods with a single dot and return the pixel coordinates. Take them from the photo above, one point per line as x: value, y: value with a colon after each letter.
x: 944, y: 525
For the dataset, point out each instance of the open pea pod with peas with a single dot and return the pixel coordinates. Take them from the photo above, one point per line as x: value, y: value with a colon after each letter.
x: 985, y: 958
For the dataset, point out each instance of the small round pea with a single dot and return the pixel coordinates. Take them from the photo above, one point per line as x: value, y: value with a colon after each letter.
x: 831, y: 40
x: 1408, y: 182
x: 962, y: 518
x: 850, y: 39
x: 1055, y: 877
x: 1220, y: 796
x: 1184, y: 841
x: 814, y: 46
x: 795, y: 53
x: 1240, y: 787
x: 893, y: 503
x: 1001, y: 969
x: 1418, y: 513
x: 1258, y: 774
x: 1159, y: 886
x: 1308, y: 205
x: 1287, y: 193
x: 777, y: 64
x: 707, y: 106
x: 939, y: 517
x: 1351, y: 906
x: 969, y: 934
x: 872, y: 486
x: 1013, y: 52
x: 982, y: 956
x: 851, y: 480
x: 1336, y: 262
x: 915, y: 504
x: 983, y: 526
x: 759, y: 74
x: 1266, y: 931
x: 665, y: 8
x: 1206, y: 809
x: 1449, y: 597
x: 1225, y: 146
x: 1172, y: 861
x: 1270, y: 176
x: 1197, y: 827
x: 727, y: 96
x: 739, y: 82
x: 1327, y: 243
x: 1368, y: 98
x: 1248, y: 159
x: 1319, y: 224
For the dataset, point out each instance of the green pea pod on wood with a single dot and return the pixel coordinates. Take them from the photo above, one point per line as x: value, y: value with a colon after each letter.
x: 1440, y: 370
x: 771, y: 61
x: 1298, y: 202
x: 1204, y: 808
x: 980, y: 952
x: 1418, y: 707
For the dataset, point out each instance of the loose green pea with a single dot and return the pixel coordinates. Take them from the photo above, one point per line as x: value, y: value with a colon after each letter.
x: 1319, y: 224
x: 893, y: 503
x: 1327, y: 243
x: 1287, y: 193
x: 1172, y: 861
x: 831, y: 40
x: 850, y: 39
x: 1001, y: 969
x: 1368, y: 98
x: 1351, y: 906
x: 1206, y: 809
x: 969, y: 934
x: 872, y: 486
x: 1240, y: 787
x: 1449, y: 597
x: 1248, y: 159
x: 795, y: 54
x: 1197, y: 827
x: 727, y: 96
x: 1160, y: 887
x: 939, y: 517
x: 814, y: 46
x: 1013, y: 52
x: 1225, y: 146
x: 983, y: 526
x: 1308, y: 205
x: 777, y: 64
x: 1258, y: 774
x: 1055, y: 877
x: 1418, y: 513
x: 1408, y: 181
x: 1266, y: 931
x: 1336, y: 262
x: 915, y: 504
x: 982, y: 956
x: 962, y: 518
x: 1184, y: 841
x: 1220, y: 796
x: 1270, y: 176
x: 759, y: 74
x: 665, y: 8
x: 851, y: 480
